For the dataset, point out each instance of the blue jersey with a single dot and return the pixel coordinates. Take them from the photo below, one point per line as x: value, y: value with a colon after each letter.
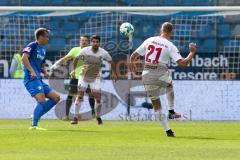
x: 36, y: 58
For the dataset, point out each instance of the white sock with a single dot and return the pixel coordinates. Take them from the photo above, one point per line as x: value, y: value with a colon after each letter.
x: 170, y: 97
x: 98, y: 109
x: 163, y: 119
x: 77, y: 109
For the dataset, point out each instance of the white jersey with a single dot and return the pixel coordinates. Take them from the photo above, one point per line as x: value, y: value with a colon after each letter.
x: 92, y: 62
x: 157, y: 51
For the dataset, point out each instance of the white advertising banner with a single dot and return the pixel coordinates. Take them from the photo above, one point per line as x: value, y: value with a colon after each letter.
x: 196, y: 100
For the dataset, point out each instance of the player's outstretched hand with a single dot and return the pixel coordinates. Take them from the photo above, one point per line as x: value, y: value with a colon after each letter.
x: 192, y: 47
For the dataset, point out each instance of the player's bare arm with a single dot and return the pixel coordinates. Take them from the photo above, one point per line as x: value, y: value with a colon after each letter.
x: 25, y: 60
x: 75, y: 61
x: 184, y: 62
x: 61, y: 61
x: 133, y: 59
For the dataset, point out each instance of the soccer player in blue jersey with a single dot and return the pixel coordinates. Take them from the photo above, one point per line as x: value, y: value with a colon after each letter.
x: 34, y: 60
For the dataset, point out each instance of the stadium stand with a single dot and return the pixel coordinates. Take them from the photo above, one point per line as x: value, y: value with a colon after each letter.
x: 206, y: 31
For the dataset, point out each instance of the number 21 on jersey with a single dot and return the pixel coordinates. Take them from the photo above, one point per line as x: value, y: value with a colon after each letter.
x: 152, y: 50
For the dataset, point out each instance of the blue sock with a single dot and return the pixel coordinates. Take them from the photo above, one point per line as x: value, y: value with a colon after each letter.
x: 49, y: 104
x: 38, y: 112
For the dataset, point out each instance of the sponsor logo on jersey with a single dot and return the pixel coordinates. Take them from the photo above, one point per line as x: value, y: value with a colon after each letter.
x: 27, y: 49
x: 40, y: 56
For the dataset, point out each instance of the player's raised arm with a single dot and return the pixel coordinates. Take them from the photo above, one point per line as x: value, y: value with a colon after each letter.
x: 184, y: 62
x: 140, y: 51
x: 61, y: 61
x: 25, y: 60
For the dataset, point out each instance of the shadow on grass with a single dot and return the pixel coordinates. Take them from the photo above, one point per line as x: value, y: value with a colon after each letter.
x: 72, y: 130
x: 195, y: 137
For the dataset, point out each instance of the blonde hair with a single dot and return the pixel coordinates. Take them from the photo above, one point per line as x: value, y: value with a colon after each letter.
x: 167, y: 27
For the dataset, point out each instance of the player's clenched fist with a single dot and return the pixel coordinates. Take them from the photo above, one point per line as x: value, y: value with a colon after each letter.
x: 192, y: 47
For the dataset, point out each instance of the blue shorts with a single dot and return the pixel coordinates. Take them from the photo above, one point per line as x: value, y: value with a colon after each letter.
x: 37, y: 86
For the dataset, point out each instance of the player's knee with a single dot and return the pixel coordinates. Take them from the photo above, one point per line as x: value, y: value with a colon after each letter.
x: 40, y: 97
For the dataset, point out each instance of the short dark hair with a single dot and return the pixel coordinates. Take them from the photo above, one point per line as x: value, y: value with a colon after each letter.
x: 95, y: 37
x: 85, y: 36
x: 167, y: 27
x: 41, y: 32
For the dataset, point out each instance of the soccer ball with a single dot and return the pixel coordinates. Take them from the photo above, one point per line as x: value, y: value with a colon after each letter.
x: 126, y: 29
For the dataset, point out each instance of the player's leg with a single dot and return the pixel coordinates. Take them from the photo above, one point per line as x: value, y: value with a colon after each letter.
x: 91, y: 100
x: 35, y: 88
x: 53, y: 97
x: 39, y: 109
x: 82, y: 85
x: 170, y: 97
x: 97, y: 96
x: 96, y: 92
x: 153, y: 93
x: 166, y: 81
x: 43, y: 106
x: 71, y: 92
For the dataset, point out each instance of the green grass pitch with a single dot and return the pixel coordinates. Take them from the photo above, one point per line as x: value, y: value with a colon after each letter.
x: 119, y: 140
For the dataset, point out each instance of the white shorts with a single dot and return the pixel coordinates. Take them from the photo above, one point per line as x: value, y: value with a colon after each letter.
x: 156, y: 86
x: 92, y: 85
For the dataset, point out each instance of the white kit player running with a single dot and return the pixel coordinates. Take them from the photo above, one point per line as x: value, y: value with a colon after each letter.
x: 156, y: 77
x: 92, y: 57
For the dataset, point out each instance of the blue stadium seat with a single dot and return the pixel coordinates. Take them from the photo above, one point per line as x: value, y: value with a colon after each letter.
x: 4, y: 3
x: 57, y: 44
x: 188, y: 2
x: 137, y: 42
x: 131, y: 2
x: 54, y: 26
x: 195, y: 2
x: 147, y: 30
x: 223, y: 30
x: 71, y: 26
x: 170, y: 2
x: 206, y: 31
x: 231, y: 42
x: 57, y: 2
x: 209, y: 45
x: 39, y: 3
x: 73, y: 41
x: 185, y: 48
